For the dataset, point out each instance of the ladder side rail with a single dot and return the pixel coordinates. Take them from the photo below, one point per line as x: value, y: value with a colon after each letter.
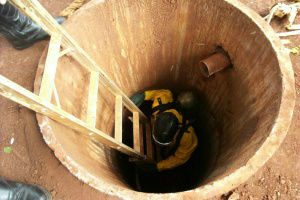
x: 18, y: 94
x: 56, y: 96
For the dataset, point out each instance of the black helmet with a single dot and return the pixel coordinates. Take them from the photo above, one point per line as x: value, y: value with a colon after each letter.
x: 187, y: 101
x: 165, y: 128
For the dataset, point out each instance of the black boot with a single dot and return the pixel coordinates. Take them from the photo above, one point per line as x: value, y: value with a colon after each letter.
x: 19, y: 191
x: 21, y: 31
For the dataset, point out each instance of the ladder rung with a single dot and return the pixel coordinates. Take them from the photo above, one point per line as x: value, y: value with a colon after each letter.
x: 92, y: 99
x: 56, y: 96
x: 50, y: 67
x: 138, y: 143
x: 149, y: 141
x: 65, y: 51
x: 118, y: 118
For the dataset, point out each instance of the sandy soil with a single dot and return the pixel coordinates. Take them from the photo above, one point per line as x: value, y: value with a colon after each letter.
x: 32, y: 160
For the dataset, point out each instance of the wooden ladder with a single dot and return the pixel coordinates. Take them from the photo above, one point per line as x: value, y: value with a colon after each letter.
x: 42, y: 103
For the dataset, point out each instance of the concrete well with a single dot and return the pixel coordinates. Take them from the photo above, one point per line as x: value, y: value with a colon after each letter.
x: 158, y: 44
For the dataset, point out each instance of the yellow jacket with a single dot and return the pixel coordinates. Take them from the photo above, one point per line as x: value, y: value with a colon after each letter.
x: 188, y: 142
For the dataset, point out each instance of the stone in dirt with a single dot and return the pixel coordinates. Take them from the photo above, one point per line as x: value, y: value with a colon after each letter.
x: 53, y: 193
x: 234, y: 196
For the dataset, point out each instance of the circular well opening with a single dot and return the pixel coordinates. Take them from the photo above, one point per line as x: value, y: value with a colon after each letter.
x: 158, y: 44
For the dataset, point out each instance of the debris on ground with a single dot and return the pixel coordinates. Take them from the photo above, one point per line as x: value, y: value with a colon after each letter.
x: 290, y: 10
x: 280, y: 10
x: 230, y: 196
x: 295, y: 50
x: 53, y: 193
x: 75, y: 5
x: 234, y: 196
x: 8, y: 150
x: 282, y: 180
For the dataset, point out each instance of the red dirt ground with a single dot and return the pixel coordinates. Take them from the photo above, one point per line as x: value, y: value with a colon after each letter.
x: 32, y: 160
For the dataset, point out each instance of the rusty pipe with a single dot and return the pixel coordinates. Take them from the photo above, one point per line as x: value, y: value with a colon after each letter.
x: 214, y: 63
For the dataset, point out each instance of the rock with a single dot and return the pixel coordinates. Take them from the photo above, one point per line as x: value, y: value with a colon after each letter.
x: 53, y: 193
x: 265, y: 197
x: 282, y: 180
x: 234, y: 196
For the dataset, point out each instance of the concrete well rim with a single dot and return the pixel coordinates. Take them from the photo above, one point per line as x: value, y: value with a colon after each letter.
x: 277, y: 133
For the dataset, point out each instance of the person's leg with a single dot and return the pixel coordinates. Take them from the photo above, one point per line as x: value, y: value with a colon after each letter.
x: 13, y: 191
x: 21, y: 31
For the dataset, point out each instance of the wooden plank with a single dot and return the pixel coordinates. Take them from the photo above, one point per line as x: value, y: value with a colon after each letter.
x: 293, y: 27
x: 290, y: 33
x: 92, y: 99
x: 136, y: 132
x: 56, y: 96
x: 26, y: 98
x: 138, y: 139
x: 40, y: 15
x: 50, y: 67
x: 149, y: 141
x: 118, y: 118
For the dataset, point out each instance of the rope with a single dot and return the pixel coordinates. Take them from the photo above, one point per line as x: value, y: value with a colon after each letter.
x: 67, y: 12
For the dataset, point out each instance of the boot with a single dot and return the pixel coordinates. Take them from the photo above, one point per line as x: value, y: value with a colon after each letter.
x: 21, y: 31
x: 19, y: 191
